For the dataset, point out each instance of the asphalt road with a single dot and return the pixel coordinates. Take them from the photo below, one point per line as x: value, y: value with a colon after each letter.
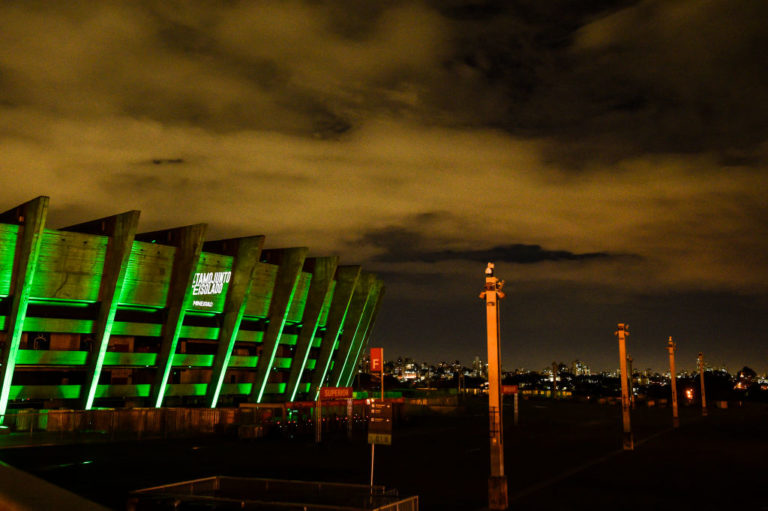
x: 563, y: 455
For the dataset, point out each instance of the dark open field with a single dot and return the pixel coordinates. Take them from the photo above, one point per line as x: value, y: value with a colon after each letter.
x: 563, y: 455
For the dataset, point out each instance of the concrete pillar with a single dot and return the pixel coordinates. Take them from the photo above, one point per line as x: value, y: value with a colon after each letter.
x: 189, y: 244
x: 323, y: 270
x: 30, y: 217
x: 346, y: 282
x: 121, y: 230
x: 246, y: 253
x: 364, y: 330
x: 351, y: 324
x: 290, y: 262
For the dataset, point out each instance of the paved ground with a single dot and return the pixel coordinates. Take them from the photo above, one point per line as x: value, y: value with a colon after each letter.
x: 563, y: 455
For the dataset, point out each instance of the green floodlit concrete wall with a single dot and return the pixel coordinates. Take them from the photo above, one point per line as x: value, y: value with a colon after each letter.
x: 75, y: 307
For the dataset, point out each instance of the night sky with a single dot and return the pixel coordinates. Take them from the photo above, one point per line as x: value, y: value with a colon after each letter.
x: 608, y: 155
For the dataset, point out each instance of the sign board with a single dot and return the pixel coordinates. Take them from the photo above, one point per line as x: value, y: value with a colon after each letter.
x: 380, y: 423
x: 335, y: 393
x: 207, y: 286
x: 377, y: 360
x: 509, y: 389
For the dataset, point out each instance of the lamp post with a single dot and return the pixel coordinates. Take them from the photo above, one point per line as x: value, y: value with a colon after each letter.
x: 621, y: 333
x: 497, y: 482
x: 671, y: 347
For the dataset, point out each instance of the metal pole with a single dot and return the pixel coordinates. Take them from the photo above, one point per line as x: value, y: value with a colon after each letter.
x: 671, y: 347
x: 497, y: 483
x: 622, y: 333
x: 703, y: 389
x: 373, y: 447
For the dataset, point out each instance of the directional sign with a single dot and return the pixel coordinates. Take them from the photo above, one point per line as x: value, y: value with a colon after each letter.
x: 335, y: 393
x: 377, y: 359
x: 380, y: 423
x: 509, y: 389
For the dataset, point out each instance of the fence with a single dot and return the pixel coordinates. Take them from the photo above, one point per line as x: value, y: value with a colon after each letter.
x: 275, y: 494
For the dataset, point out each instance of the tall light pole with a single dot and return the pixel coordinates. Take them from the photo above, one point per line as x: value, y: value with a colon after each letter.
x: 671, y: 347
x: 703, y: 389
x: 497, y: 482
x: 621, y: 333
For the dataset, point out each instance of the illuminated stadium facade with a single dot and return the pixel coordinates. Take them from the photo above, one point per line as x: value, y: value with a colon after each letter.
x: 97, y: 315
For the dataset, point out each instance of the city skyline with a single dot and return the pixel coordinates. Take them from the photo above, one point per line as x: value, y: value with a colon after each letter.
x: 610, y: 157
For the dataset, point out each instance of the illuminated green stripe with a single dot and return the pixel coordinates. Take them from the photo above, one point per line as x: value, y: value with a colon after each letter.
x: 45, y: 357
x: 20, y: 392
x: 361, y: 338
x: 323, y: 270
x: 121, y: 229
x: 351, y: 324
x: 346, y: 282
x: 243, y: 361
x: 246, y: 258
x: 194, y: 360
x: 189, y: 243
x: 62, y: 325
x: 287, y: 279
x: 114, y: 358
x: 34, y: 214
x: 9, y: 234
x: 250, y: 336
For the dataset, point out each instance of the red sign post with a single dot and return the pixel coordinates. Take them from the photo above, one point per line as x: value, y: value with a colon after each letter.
x: 377, y: 365
x: 377, y: 360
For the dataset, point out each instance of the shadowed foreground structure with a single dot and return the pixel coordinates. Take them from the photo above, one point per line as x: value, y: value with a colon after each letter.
x: 563, y: 455
x: 101, y: 315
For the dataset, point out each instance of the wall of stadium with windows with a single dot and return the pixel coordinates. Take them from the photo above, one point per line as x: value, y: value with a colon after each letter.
x: 99, y: 315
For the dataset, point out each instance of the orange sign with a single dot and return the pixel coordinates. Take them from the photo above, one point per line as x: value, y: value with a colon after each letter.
x: 335, y: 392
x: 377, y: 360
x: 509, y: 389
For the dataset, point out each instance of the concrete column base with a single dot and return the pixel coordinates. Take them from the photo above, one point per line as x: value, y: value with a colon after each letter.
x: 497, y: 492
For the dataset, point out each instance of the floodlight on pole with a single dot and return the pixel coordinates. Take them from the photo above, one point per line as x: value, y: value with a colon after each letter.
x: 497, y: 482
x: 622, y: 333
x: 672, y: 347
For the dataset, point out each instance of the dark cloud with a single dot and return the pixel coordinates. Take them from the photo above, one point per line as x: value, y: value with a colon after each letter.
x: 320, y: 122
x: 397, y: 244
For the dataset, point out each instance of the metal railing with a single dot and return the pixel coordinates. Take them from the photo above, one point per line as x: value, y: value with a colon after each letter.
x: 259, y: 493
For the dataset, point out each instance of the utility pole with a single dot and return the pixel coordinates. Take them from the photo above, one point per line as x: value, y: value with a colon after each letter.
x: 672, y: 347
x: 703, y: 390
x: 621, y: 333
x: 497, y: 482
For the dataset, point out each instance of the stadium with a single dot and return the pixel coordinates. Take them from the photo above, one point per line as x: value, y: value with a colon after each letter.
x: 97, y: 315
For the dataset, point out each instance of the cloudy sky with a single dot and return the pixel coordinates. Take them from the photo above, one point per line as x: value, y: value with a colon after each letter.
x: 610, y: 157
